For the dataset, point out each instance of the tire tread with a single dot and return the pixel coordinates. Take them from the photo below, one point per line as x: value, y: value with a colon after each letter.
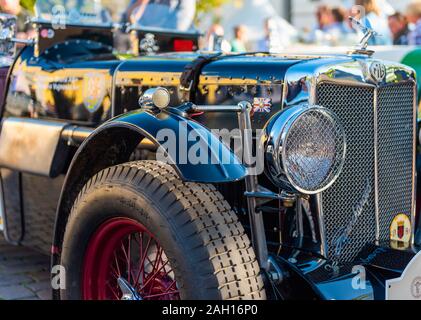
x: 209, y: 228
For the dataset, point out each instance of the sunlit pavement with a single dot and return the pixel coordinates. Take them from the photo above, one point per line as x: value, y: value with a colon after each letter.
x: 23, y: 273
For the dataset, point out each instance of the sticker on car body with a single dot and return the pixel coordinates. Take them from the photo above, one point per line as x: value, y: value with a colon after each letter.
x: 94, y: 90
x: 408, y: 286
x: 262, y: 105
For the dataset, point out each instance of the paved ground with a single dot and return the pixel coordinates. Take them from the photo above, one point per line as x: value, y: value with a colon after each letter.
x: 23, y: 274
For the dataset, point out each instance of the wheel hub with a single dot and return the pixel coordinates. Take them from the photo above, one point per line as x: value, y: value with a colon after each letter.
x: 129, y: 293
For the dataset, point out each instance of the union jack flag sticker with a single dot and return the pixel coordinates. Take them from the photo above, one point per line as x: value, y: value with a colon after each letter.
x: 262, y: 105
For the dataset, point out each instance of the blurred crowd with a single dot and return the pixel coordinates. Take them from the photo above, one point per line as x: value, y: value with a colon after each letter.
x: 216, y: 39
x: 333, y: 27
x: 398, y: 28
x: 13, y: 7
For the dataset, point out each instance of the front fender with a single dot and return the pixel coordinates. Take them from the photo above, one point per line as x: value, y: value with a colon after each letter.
x: 114, y: 142
x: 192, y: 149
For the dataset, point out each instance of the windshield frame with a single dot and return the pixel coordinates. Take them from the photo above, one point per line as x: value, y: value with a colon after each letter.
x: 60, y: 15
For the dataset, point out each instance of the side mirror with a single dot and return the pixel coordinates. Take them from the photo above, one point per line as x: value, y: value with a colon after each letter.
x: 7, y: 35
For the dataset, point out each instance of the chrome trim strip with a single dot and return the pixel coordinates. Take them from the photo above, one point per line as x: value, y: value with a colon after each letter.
x: 284, y: 95
x: 323, y: 79
x: 323, y: 240
x: 252, y: 186
x: 376, y: 163
x: 414, y: 166
x: 300, y: 220
x: 114, y: 89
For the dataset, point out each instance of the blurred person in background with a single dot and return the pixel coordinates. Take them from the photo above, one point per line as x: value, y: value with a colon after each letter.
x: 215, y: 39
x: 414, y: 17
x: 240, y: 39
x: 399, y: 27
x: 324, y: 18
x: 376, y: 19
x: 263, y: 45
x: 12, y: 7
x: 168, y: 14
x: 340, y: 31
x: 339, y: 21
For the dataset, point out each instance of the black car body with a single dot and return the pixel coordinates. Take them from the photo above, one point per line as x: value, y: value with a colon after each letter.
x: 71, y: 109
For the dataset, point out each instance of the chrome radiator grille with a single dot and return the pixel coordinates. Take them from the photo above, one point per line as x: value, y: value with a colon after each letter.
x: 395, y: 160
x: 356, y: 185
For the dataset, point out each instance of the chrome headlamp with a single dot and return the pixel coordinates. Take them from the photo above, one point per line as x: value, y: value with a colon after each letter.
x: 305, y: 149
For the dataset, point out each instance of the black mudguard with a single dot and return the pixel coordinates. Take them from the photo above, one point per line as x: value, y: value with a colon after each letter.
x: 114, y: 142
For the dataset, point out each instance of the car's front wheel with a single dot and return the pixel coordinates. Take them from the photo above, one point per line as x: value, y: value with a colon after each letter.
x: 137, y: 231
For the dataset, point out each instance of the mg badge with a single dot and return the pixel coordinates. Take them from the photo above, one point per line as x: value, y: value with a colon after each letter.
x: 377, y: 71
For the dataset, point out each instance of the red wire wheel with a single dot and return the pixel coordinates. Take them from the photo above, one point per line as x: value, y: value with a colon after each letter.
x: 123, y: 248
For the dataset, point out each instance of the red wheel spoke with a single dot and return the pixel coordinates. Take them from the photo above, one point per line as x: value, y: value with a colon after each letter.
x: 112, y: 254
x: 140, y: 267
x: 113, y: 292
x: 161, y: 294
x: 115, y: 273
x: 157, y: 259
x: 122, y: 247
x: 117, y: 264
x: 166, y: 273
x: 172, y: 284
x: 142, y: 264
x: 155, y: 266
x: 129, y: 271
x: 153, y: 276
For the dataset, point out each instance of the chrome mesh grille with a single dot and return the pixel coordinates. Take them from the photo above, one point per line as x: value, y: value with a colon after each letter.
x: 355, y: 108
x: 396, y: 129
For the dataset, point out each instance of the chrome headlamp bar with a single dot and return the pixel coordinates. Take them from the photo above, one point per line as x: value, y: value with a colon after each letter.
x: 243, y: 109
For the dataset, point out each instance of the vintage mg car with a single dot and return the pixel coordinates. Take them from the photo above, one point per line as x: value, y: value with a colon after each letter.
x: 173, y: 173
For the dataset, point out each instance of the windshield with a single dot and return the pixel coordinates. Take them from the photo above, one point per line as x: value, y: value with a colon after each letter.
x: 175, y: 15
x: 166, y: 14
x: 72, y: 12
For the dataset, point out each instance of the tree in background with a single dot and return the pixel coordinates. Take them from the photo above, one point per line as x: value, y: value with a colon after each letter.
x: 204, y: 7
x: 28, y: 5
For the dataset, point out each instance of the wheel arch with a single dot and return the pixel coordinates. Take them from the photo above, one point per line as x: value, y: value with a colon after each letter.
x: 108, y: 146
x: 114, y: 142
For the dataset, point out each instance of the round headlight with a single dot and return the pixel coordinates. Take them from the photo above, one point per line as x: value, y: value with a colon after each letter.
x: 306, y: 149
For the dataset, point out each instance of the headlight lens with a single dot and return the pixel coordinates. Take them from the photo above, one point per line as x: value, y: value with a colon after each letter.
x: 307, y: 147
